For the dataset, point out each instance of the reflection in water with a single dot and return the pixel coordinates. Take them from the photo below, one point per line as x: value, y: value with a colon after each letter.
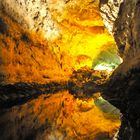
x: 57, y: 116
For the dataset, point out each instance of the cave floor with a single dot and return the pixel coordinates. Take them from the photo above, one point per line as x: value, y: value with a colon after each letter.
x: 53, y: 111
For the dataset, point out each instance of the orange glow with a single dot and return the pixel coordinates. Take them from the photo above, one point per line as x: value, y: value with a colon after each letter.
x: 27, y: 58
x: 80, y: 119
x: 82, y: 36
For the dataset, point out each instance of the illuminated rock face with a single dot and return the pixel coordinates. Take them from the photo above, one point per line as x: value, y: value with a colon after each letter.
x: 71, y: 31
x: 109, y: 11
x: 46, y: 16
x: 24, y: 57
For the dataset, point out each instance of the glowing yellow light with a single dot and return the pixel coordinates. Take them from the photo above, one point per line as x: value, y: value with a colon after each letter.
x: 101, y: 67
x: 121, y: 59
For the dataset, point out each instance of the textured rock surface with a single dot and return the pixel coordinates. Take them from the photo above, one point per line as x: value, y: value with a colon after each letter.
x: 72, y: 35
x: 46, y: 16
x: 125, y: 92
x: 24, y: 57
x: 109, y: 11
x: 33, y: 15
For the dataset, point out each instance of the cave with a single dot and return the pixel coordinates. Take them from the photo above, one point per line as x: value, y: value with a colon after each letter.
x: 69, y: 70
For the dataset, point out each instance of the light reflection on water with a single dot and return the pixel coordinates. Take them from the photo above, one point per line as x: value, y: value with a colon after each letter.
x: 57, y: 117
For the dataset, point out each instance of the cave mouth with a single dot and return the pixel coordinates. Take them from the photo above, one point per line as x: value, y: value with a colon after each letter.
x: 34, y: 100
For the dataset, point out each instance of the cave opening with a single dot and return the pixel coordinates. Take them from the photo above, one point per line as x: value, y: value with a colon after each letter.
x: 51, y: 71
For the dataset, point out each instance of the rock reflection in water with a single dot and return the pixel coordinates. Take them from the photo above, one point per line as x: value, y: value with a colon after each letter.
x: 57, y: 117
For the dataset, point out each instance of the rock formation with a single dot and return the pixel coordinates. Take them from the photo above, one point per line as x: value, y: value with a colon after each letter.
x: 124, y: 84
x: 72, y: 36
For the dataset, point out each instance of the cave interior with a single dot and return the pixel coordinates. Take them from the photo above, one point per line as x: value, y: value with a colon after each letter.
x: 69, y: 70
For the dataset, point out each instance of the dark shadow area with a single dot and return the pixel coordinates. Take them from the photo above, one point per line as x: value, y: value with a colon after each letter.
x: 82, y: 84
x: 3, y: 27
x: 20, y: 93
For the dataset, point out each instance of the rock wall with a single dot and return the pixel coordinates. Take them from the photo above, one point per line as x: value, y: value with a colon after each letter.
x: 109, y: 11
x: 24, y: 57
x: 123, y: 87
